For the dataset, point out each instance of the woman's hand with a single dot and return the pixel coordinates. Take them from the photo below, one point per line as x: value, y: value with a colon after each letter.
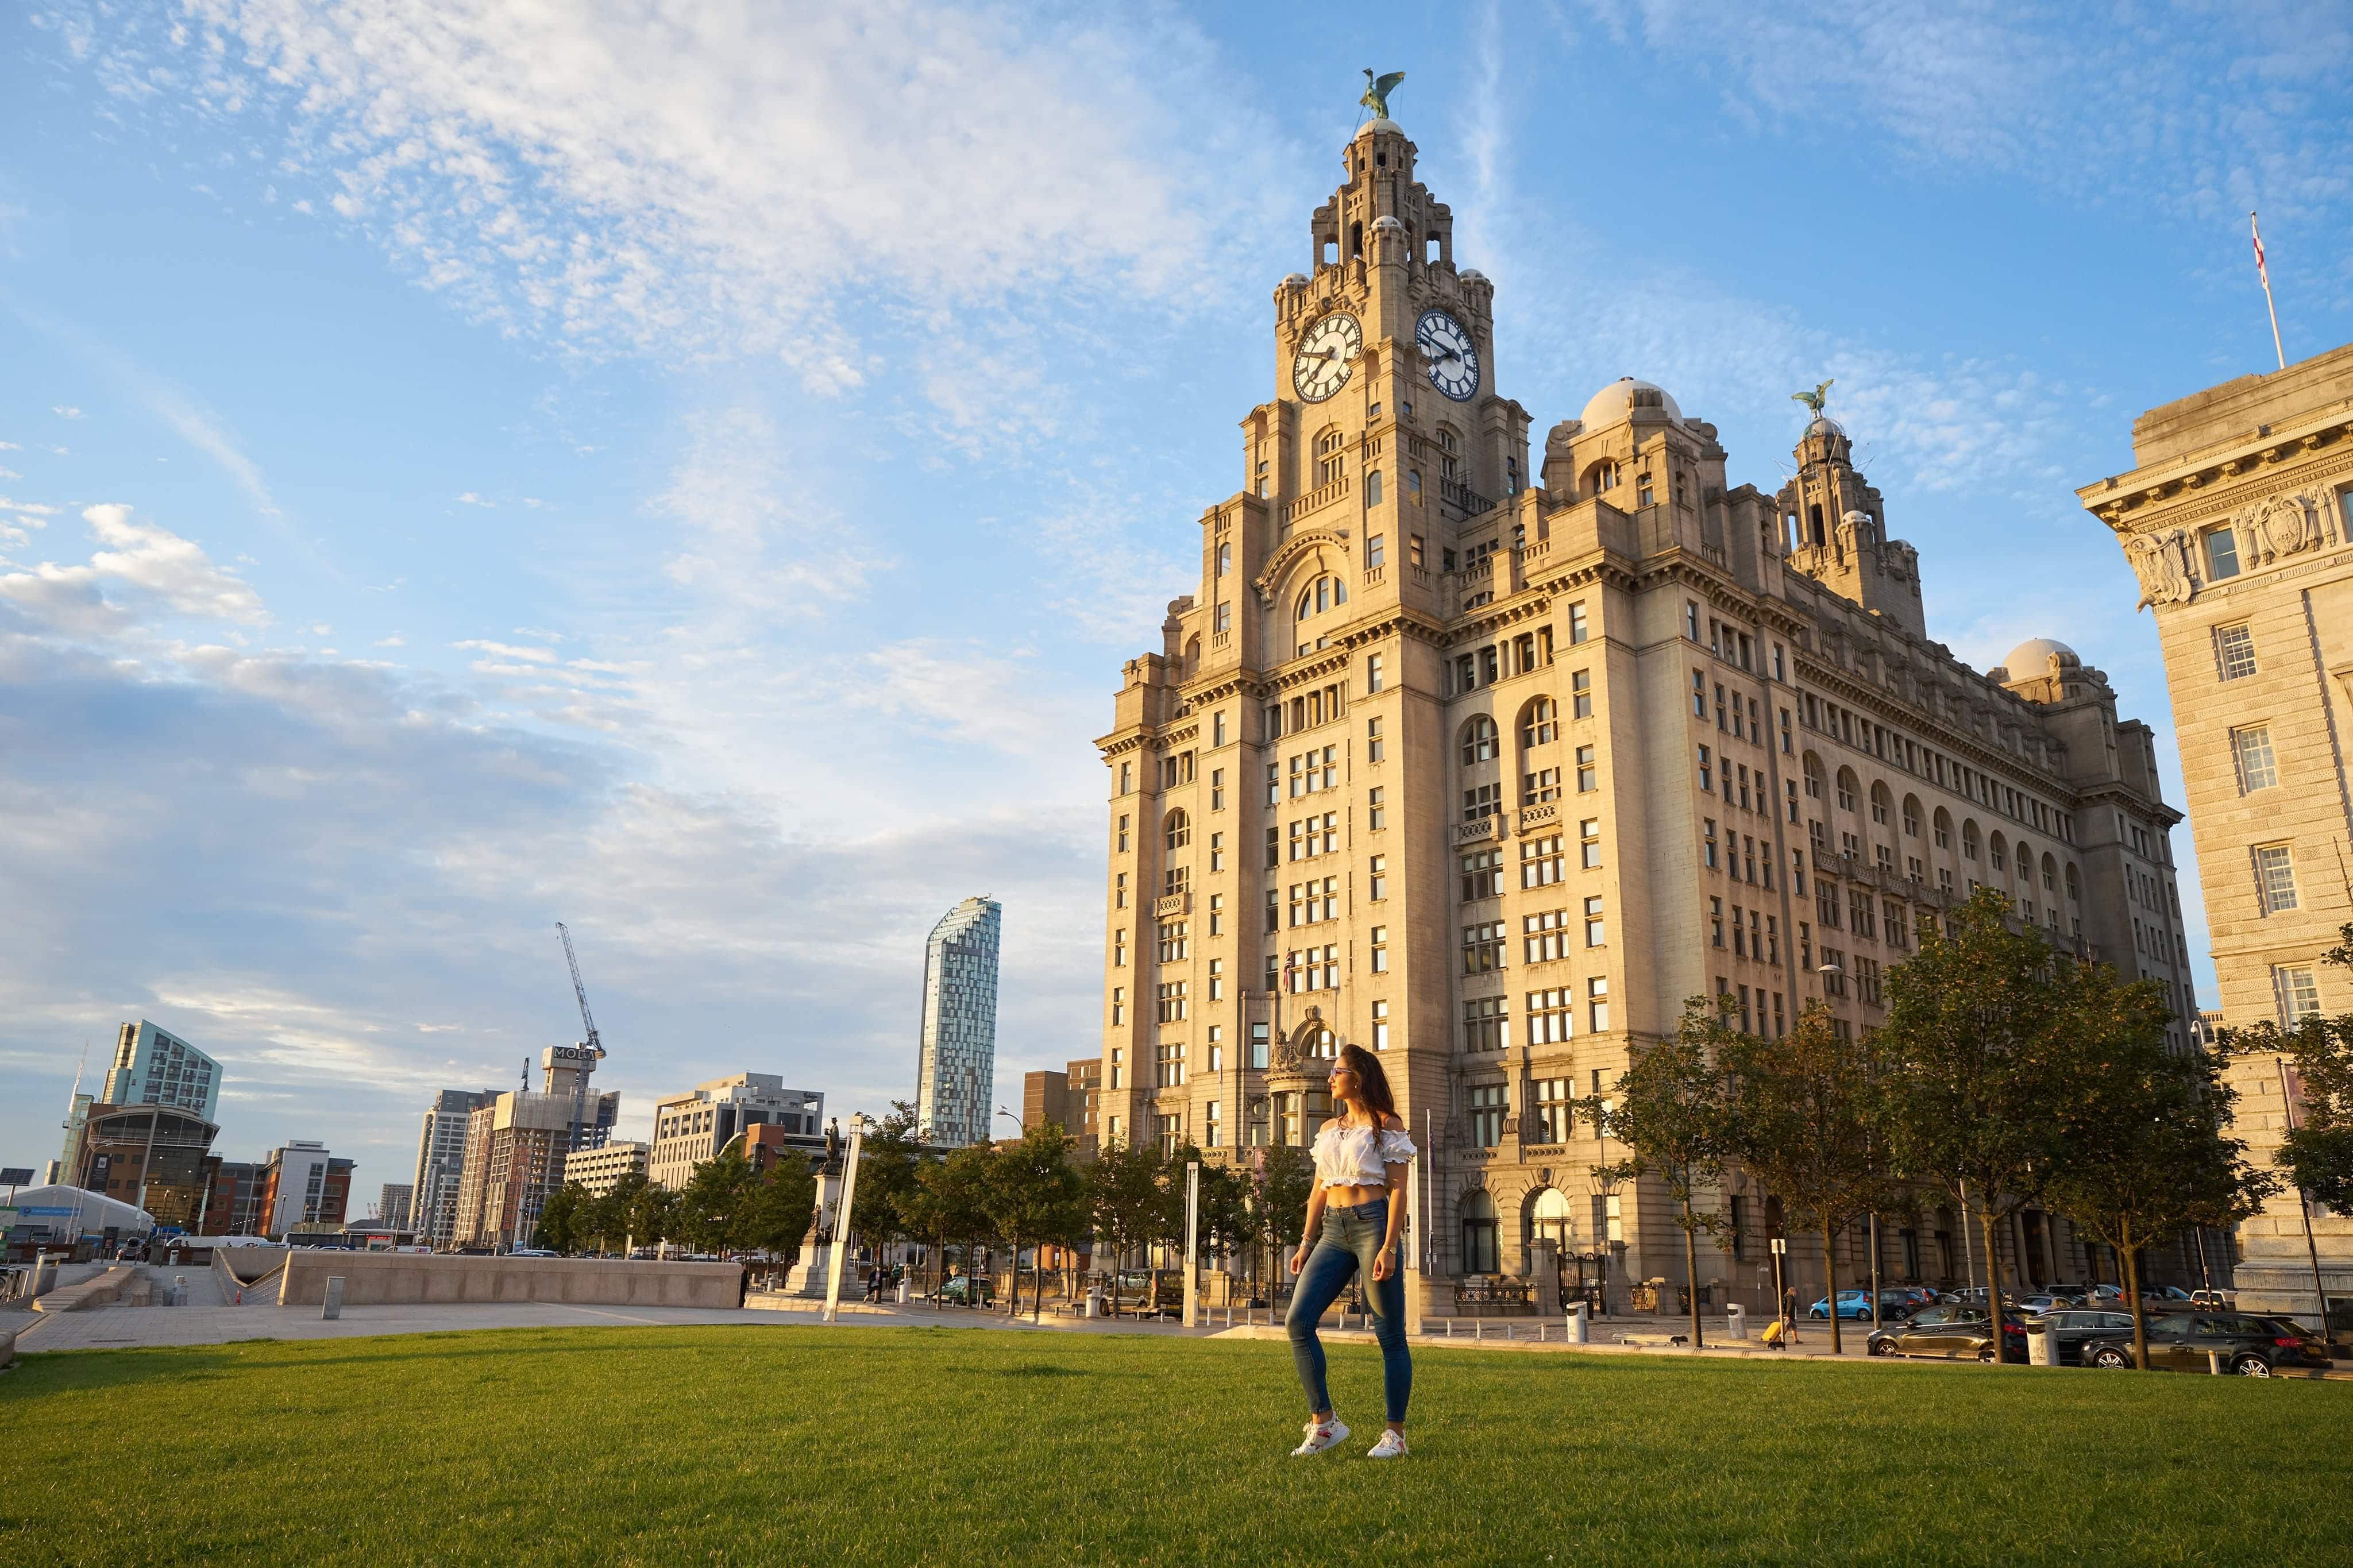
x: 1386, y: 1264
x: 1299, y: 1258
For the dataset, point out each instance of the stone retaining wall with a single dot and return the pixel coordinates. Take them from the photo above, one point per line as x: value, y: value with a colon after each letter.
x: 373, y: 1277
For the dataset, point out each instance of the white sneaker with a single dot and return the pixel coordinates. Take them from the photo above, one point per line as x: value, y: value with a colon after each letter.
x: 1390, y: 1446
x: 1322, y: 1435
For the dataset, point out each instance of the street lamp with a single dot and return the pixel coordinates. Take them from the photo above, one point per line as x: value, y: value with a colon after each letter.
x: 1015, y: 1119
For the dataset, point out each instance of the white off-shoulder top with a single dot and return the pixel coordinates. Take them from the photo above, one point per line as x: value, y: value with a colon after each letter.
x: 1352, y: 1156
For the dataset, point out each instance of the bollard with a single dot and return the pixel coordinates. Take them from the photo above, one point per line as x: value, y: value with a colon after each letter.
x: 333, y: 1306
x: 1479, y: 1329
x: 1580, y: 1325
x: 1735, y: 1318
x: 2214, y: 1362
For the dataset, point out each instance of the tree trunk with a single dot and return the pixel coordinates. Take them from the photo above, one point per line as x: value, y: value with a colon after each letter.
x: 1993, y: 1282
x: 2132, y: 1290
x: 1691, y: 1271
x: 1829, y: 1288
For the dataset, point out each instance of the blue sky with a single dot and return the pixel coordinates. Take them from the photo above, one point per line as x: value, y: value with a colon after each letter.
x: 694, y: 471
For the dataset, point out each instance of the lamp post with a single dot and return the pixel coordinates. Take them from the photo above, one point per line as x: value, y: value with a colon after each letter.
x: 841, y: 1221
x: 1015, y: 1119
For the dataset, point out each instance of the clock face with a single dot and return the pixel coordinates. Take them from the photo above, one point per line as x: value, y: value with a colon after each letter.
x: 1447, y: 350
x: 1327, y: 351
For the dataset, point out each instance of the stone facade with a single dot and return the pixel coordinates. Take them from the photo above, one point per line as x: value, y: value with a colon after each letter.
x: 2235, y: 519
x: 1491, y: 765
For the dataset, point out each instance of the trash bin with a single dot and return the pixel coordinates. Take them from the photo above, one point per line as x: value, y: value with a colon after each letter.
x: 2042, y: 1345
x: 1580, y: 1325
x: 902, y: 1291
x: 1095, y: 1304
x: 1735, y: 1318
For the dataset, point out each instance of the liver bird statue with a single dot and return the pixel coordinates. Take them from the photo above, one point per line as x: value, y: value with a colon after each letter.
x: 1377, y: 90
x: 1813, y: 399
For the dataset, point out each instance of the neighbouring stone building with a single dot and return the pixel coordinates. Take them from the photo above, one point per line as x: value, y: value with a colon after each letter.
x: 1489, y: 759
x: 2235, y: 519
x: 1066, y: 1098
x: 694, y: 1126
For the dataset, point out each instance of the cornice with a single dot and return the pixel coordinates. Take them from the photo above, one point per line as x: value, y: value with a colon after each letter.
x: 2224, y: 475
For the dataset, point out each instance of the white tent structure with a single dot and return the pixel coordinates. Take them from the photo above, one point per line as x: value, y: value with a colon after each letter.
x: 60, y: 1215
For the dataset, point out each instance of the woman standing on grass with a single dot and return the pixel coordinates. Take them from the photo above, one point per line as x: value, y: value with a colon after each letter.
x: 1353, y: 1215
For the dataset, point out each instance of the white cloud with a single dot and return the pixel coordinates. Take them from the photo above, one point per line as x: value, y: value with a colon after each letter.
x: 144, y: 556
x: 609, y: 182
x: 471, y: 499
x: 63, y: 412
x: 508, y: 650
x: 395, y: 640
x: 35, y: 508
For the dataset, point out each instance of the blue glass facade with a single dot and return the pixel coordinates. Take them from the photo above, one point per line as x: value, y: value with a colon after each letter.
x: 955, y: 1087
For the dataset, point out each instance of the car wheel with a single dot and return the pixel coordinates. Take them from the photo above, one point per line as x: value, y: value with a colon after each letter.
x: 2251, y: 1366
x: 2115, y: 1361
x: 1817, y: 1314
x: 1883, y: 1347
x: 1986, y: 1354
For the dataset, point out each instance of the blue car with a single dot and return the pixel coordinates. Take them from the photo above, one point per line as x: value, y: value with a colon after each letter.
x: 1850, y: 1304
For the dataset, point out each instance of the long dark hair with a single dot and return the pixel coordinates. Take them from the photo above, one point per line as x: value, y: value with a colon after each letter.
x: 1372, y: 1083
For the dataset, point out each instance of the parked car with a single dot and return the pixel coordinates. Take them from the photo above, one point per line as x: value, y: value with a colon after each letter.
x: 2044, y: 1303
x: 2178, y: 1342
x: 2221, y: 1301
x: 1954, y: 1333
x: 2076, y: 1327
x: 960, y: 1290
x: 1850, y: 1304
x: 2167, y: 1298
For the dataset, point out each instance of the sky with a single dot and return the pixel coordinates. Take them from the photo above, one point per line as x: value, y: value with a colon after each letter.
x: 695, y: 470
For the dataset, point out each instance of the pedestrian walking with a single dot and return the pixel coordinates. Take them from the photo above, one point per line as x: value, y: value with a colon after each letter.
x: 1789, y: 1312
x: 1362, y: 1158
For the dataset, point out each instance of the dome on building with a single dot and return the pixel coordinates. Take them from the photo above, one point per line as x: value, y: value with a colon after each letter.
x: 1824, y: 425
x: 1472, y: 275
x: 1293, y: 279
x: 2033, y: 657
x: 1369, y: 126
x: 1385, y: 221
x: 1614, y: 402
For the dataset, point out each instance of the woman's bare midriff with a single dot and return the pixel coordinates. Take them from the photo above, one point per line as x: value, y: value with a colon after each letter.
x: 1337, y: 1197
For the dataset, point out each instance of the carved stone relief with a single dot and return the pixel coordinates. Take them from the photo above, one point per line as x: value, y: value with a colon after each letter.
x: 2161, y: 560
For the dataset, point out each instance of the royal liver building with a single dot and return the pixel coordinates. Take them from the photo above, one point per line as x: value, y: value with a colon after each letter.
x: 1489, y: 761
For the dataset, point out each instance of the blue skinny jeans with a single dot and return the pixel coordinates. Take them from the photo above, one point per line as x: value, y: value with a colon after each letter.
x: 1351, y: 1239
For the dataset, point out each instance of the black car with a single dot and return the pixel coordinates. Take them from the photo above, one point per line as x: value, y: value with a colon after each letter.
x: 2078, y: 1326
x: 1955, y: 1333
x: 2179, y: 1342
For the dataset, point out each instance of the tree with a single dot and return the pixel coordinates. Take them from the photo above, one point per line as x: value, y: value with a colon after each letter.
x: 1033, y: 1194
x: 2146, y: 1157
x: 1670, y: 1110
x: 2318, y: 1155
x: 773, y: 1213
x: 709, y: 1205
x: 653, y: 1215
x: 1230, y: 1227
x: 1285, y: 1181
x: 1800, y: 1121
x: 889, y: 1161
x: 558, y: 1217
x: 1989, y: 1036
x: 1125, y: 1201
x: 947, y: 1199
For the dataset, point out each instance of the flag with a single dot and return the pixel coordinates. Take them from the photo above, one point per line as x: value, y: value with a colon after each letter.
x: 2261, y: 271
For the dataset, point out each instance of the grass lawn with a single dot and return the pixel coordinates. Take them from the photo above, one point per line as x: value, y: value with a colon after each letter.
x: 808, y: 1445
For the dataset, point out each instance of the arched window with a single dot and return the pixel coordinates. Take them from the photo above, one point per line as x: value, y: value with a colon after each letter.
x: 1306, y: 603
x: 1448, y: 446
x: 1550, y: 1218
x: 1994, y: 856
x: 1813, y: 777
x: 1847, y: 785
x: 2074, y: 888
x: 1883, y: 805
x: 1331, y: 460
x: 1177, y: 830
x: 1478, y: 1211
x: 1968, y: 840
x: 1601, y: 476
x: 1413, y: 483
x: 1539, y: 723
x: 1944, y: 828
x: 1911, y: 817
x: 1479, y: 741
x: 2050, y: 874
x: 1511, y: 476
x: 1373, y: 488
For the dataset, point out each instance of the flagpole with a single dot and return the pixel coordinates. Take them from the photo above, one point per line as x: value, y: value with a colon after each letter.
x: 2265, y: 273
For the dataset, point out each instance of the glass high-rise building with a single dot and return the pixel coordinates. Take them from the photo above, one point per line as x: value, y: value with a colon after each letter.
x: 153, y: 1068
x: 955, y: 1084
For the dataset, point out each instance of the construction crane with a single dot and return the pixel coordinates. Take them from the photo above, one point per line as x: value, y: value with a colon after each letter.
x: 595, y: 1047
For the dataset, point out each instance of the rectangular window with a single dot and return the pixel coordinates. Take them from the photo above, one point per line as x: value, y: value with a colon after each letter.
x: 1376, y: 813
x: 2299, y: 996
x: 1706, y: 771
x: 1690, y: 619
x: 1482, y: 875
x: 1540, y: 861
x: 1258, y: 1044
x: 1589, y: 843
x: 1169, y: 1065
x: 1123, y: 836
x: 1593, y: 925
x: 1540, y: 787
x: 1225, y: 621
x: 2234, y: 651
x: 1543, y: 936
x: 1118, y: 1004
x: 2276, y: 878
x: 1217, y: 914
x: 1580, y: 694
x: 1587, y: 772
x: 1217, y: 851
x: 2222, y: 553
x: 1707, y: 844
x: 1486, y: 1118
x: 1483, y: 802
x: 1214, y: 1126
x: 1377, y: 880
x: 1715, y: 922
x: 1596, y: 1005
x: 1482, y: 947
x: 1699, y: 694
x: 1486, y: 1024
x: 1373, y: 672
x: 1576, y: 631
x: 1374, y: 554
x: 1554, y: 1112
x: 1174, y: 946
x: 1373, y: 747
x: 2251, y: 751
x: 1217, y: 980
x: 1172, y: 1001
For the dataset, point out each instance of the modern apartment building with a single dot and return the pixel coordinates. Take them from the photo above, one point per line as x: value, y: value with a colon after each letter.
x: 441, y: 1157
x: 152, y: 1157
x: 1490, y: 758
x: 393, y: 1203
x: 598, y: 1169
x: 518, y: 1147
x: 304, y: 1186
x: 693, y: 1127
x: 153, y: 1068
x: 2234, y: 519
x: 956, y: 1070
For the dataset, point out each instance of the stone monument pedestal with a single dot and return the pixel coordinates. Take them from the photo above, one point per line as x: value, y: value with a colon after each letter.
x: 809, y: 1271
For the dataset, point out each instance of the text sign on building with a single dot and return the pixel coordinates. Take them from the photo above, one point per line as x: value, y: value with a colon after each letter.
x: 572, y: 1054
